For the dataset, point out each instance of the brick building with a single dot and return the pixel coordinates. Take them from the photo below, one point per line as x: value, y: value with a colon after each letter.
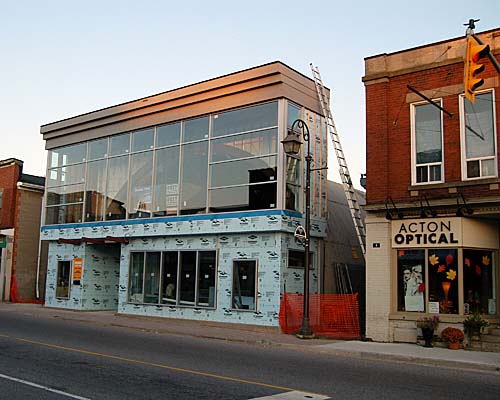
x: 21, y: 277
x: 433, y: 196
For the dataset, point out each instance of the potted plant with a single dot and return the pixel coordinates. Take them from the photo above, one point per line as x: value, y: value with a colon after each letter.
x: 474, y: 324
x: 453, y: 336
x: 428, y: 325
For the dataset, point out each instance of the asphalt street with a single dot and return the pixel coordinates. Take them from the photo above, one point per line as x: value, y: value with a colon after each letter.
x: 52, y: 358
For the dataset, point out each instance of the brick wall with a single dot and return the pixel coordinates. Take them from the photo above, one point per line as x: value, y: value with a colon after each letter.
x: 388, y: 130
x: 9, y: 174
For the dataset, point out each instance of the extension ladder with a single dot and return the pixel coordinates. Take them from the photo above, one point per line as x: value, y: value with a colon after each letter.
x: 349, y: 191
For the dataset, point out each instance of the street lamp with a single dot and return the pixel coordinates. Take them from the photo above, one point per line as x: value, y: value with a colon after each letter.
x: 291, y: 145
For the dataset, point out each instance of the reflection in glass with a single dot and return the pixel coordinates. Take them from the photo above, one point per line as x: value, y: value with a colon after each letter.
x: 65, y: 194
x: 244, y: 287
x: 98, y: 149
x: 240, y: 172
x: 67, y: 155
x: 169, y: 292
x: 136, y: 278
x: 141, y: 169
x: 479, y: 127
x: 96, y: 185
x: 120, y: 144
x: 206, y: 279
x: 117, y: 187
x: 143, y: 140
x: 292, y: 195
x: 194, y: 178
x: 428, y: 133
x: 152, y: 278
x: 68, y: 214
x: 292, y: 114
x: 167, y: 182
x: 241, y: 146
x: 168, y: 135
x: 239, y: 198
x: 187, y: 276
x: 195, y: 129
x: 66, y: 175
x: 246, y: 119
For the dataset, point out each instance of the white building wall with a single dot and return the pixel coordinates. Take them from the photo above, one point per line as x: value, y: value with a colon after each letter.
x: 378, y: 278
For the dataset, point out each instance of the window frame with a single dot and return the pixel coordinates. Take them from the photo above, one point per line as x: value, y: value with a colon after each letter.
x: 463, y: 150
x: 59, y: 263
x: 414, y: 165
x: 256, y: 283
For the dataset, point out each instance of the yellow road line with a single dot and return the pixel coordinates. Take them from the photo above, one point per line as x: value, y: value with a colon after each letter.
x: 152, y: 364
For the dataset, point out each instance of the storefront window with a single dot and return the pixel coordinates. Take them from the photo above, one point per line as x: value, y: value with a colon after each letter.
x: 443, y: 279
x: 63, y: 273
x: 206, y: 279
x: 188, y: 277
x: 411, y: 280
x: 244, y: 285
x: 479, y: 294
x: 169, y: 292
x: 136, y: 278
x: 152, y: 278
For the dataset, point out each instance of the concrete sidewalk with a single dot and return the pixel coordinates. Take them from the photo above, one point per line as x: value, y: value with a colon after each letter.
x: 263, y: 336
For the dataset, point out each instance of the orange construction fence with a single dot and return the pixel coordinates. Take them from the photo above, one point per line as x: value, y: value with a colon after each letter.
x: 14, y: 294
x: 330, y: 315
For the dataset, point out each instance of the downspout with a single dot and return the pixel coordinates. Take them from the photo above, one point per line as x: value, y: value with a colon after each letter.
x: 39, y: 257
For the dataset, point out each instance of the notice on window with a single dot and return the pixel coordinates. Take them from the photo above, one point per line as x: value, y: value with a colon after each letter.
x: 433, y: 307
x: 77, y: 270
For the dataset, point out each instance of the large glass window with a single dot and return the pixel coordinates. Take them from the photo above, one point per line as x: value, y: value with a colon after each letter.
x: 479, y: 277
x: 67, y: 155
x: 258, y: 143
x: 246, y: 119
x: 292, y: 194
x: 98, y: 149
x: 244, y: 285
x: 194, y: 178
x: 166, y: 187
x: 65, y: 195
x: 95, y: 190
x: 237, y: 198
x: 143, y: 140
x: 187, y: 278
x: 443, y: 279
x: 67, y: 214
x: 411, y: 280
x: 120, y: 144
x: 168, y: 135
x: 152, y: 278
x: 68, y: 175
x: 141, y: 167
x: 136, y: 278
x: 480, y: 137
x: 117, y: 188
x: 195, y: 129
x: 63, y: 279
x: 428, y: 143
x: 252, y: 170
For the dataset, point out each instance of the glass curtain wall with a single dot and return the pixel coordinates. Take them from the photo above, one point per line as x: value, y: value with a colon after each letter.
x: 220, y: 162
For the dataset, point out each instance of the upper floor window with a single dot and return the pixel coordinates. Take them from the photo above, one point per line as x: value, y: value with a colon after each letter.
x: 479, y: 137
x: 427, y: 143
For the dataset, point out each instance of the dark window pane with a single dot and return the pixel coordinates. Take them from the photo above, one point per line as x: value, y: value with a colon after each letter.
x: 167, y: 181
x: 244, y: 171
x: 246, y: 119
x: 168, y: 134
x: 253, y: 197
x: 117, y: 188
x: 442, y: 265
x: 169, y: 292
x: 422, y: 174
x: 143, y: 140
x: 479, y: 273
x: 98, y: 149
x: 473, y: 169
x: 188, y: 276
x: 244, y: 287
x: 68, y: 214
x: 194, y: 178
x: 136, y: 294
x: 95, y: 184
x: 63, y: 279
x: 435, y: 173
x: 152, y: 278
x: 411, y: 278
x: 206, y: 278
x: 195, y: 129
x: 120, y: 144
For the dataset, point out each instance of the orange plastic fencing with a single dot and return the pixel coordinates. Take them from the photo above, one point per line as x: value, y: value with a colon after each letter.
x: 330, y: 315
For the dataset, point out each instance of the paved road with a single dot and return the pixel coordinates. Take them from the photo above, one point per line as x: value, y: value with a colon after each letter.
x: 53, y: 358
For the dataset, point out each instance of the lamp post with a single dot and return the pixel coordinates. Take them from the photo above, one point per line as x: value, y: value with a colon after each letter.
x: 291, y: 145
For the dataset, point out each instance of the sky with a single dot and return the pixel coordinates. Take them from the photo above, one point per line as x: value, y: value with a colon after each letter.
x: 64, y: 58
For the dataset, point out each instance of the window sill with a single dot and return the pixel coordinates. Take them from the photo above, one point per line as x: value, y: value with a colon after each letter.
x: 475, y: 182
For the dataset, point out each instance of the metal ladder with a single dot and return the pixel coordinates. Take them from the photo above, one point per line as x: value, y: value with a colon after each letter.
x: 350, y: 193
